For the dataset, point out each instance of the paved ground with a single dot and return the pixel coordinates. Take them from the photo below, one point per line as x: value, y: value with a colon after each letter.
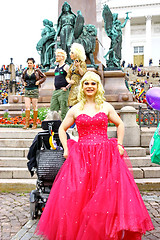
x: 15, y: 220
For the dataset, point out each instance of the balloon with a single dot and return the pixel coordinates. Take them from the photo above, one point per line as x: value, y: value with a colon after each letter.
x: 153, y: 97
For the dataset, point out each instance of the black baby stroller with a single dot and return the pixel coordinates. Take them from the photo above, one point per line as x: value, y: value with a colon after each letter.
x: 46, y: 162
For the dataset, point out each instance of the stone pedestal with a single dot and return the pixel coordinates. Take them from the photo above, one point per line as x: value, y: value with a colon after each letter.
x: 132, y: 130
x: 115, y: 88
x: 47, y: 88
x: 15, y: 99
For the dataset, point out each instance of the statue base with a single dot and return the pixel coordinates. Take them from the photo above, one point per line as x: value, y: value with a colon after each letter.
x: 112, y: 68
x: 115, y: 87
x: 47, y: 88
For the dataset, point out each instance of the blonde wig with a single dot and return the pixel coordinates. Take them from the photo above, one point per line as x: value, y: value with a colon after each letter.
x: 79, y: 51
x: 61, y: 51
x: 99, y: 97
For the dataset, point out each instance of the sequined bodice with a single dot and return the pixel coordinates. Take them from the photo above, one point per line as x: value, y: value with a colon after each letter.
x: 92, y: 130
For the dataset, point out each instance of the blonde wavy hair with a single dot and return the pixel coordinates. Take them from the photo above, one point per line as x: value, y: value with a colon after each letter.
x: 79, y: 51
x: 99, y: 97
x: 61, y: 51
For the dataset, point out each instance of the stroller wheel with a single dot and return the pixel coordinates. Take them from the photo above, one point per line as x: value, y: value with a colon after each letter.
x: 33, y: 210
x: 32, y: 215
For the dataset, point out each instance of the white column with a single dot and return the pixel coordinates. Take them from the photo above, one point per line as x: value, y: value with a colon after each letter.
x: 127, y: 52
x: 148, y: 51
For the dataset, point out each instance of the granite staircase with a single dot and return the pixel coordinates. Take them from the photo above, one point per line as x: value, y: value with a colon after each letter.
x: 14, y: 175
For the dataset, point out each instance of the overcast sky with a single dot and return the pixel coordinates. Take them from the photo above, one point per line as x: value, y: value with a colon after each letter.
x: 21, y: 22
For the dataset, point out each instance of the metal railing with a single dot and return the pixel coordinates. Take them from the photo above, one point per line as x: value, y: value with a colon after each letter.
x: 148, y: 117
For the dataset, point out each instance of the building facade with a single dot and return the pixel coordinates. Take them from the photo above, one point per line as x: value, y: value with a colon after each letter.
x: 141, y: 35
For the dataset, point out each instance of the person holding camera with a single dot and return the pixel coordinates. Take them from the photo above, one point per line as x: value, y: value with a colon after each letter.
x: 76, y: 71
x: 32, y: 78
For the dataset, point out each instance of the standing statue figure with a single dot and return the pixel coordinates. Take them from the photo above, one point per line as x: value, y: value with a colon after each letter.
x: 113, y: 28
x: 47, y: 34
x: 65, y: 28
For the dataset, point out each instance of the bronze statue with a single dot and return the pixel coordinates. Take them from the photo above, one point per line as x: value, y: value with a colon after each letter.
x: 65, y: 28
x: 48, y: 34
x: 88, y: 39
x: 70, y: 29
x: 113, y: 28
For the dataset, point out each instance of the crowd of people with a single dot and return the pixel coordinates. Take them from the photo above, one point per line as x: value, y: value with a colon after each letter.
x: 3, y: 93
x: 142, y: 81
x: 6, y: 86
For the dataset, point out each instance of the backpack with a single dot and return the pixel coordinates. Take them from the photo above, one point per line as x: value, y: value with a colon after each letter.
x: 154, y: 146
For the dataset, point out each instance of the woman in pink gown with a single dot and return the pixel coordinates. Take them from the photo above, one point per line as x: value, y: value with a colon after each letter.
x: 94, y: 196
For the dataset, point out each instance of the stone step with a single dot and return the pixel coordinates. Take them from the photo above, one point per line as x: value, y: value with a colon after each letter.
x: 11, y: 113
x: 18, y: 133
x: 146, y: 172
x: 27, y: 185
x: 17, y: 185
x: 137, y: 173
x: 15, y: 173
x: 17, y: 109
x: 148, y: 184
x: 18, y: 162
x: 19, y: 106
x: 13, y: 152
x: 22, y: 162
x: 15, y: 143
x: 22, y: 152
x: 142, y: 162
x: 151, y: 172
x: 136, y: 151
x: 22, y: 172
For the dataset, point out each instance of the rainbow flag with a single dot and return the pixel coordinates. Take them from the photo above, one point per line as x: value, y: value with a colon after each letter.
x: 141, y: 93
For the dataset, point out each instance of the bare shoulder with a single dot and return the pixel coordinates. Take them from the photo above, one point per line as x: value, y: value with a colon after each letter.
x: 107, y: 107
x: 73, y: 110
x: 66, y: 67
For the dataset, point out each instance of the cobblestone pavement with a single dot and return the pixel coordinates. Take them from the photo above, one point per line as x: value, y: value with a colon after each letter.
x: 15, y: 220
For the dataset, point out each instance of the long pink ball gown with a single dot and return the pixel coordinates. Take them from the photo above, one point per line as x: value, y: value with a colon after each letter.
x: 94, y: 196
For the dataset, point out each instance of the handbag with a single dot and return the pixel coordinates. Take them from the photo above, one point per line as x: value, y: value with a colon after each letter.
x: 155, y: 146
x: 49, y: 163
